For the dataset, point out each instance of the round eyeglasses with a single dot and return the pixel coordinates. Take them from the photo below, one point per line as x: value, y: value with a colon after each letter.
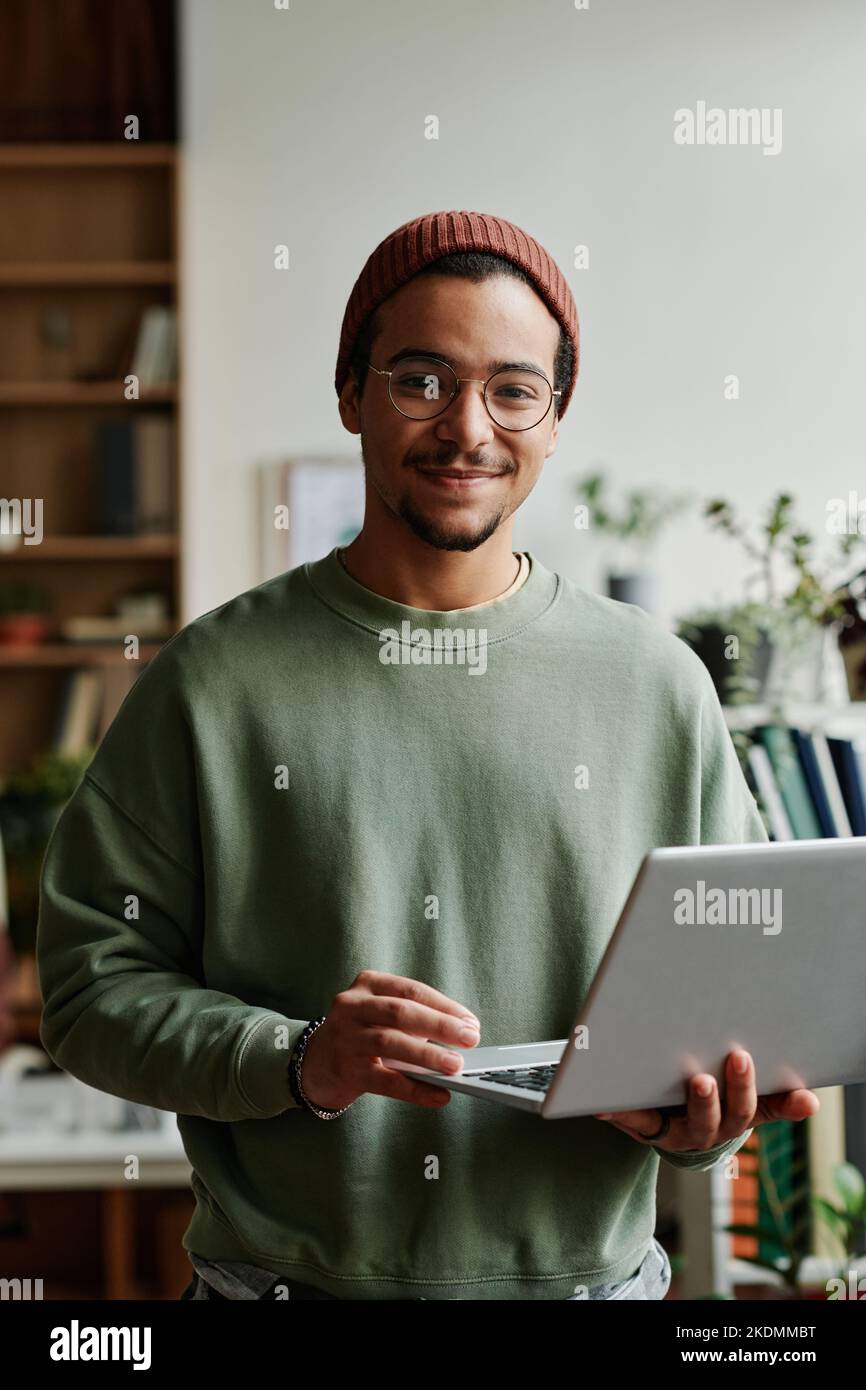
x: 517, y: 398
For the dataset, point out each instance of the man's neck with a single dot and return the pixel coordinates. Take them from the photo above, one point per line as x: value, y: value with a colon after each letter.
x: 455, y: 579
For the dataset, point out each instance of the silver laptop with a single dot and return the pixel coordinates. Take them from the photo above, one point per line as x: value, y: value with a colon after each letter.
x: 761, y: 946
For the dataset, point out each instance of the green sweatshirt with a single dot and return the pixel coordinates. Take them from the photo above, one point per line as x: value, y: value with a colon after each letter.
x: 299, y: 787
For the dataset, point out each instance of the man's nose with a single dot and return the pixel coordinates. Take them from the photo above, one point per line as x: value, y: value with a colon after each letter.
x: 466, y: 420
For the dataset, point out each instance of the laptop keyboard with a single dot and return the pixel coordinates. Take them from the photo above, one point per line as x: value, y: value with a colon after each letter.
x: 536, y: 1078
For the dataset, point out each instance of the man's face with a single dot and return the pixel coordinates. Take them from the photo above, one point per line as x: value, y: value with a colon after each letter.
x: 469, y: 325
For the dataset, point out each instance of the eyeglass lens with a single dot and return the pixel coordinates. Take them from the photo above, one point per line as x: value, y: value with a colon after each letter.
x: 422, y: 387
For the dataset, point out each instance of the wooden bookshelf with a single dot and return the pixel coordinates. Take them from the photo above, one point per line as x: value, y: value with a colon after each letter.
x: 89, y: 235
x: 88, y: 241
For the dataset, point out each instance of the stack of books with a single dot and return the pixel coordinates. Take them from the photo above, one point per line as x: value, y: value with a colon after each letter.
x: 134, y: 476
x: 810, y: 784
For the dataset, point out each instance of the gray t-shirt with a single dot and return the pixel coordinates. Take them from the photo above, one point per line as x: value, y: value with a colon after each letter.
x: 236, y: 1279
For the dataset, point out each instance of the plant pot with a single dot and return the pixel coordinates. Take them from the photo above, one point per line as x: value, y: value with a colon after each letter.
x: 854, y: 654
x: 753, y: 664
x: 25, y: 826
x: 639, y: 588
x: 22, y: 629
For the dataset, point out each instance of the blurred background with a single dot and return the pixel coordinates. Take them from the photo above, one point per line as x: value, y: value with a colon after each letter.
x: 187, y: 194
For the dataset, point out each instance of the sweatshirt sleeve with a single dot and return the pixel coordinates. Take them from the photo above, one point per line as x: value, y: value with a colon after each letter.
x: 122, y: 919
x: 729, y: 815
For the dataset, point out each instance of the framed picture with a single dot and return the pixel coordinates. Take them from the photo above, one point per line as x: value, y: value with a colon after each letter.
x: 306, y: 507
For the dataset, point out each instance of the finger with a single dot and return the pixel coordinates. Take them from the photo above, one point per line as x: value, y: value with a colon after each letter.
x: 404, y: 987
x: 741, y: 1094
x: 382, y: 1081
x: 645, y: 1124
x: 787, y: 1105
x: 704, y: 1118
x: 386, y: 1045
x: 389, y: 1014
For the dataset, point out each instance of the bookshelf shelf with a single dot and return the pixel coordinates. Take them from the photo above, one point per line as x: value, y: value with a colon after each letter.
x: 96, y: 548
x: 124, y: 154
x: 70, y: 654
x: 746, y: 716
x: 86, y: 393
x: 29, y: 274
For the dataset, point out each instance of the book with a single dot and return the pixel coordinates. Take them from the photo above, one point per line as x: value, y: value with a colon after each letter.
x: 154, y: 358
x: 134, y: 476
x: 802, y: 740
x: 793, y: 788
x: 768, y: 791
x: 91, y: 629
x: 77, y: 724
x: 153, y: 455
x: 115, y: 478
x: 824, y: 758
x: 847, y: 764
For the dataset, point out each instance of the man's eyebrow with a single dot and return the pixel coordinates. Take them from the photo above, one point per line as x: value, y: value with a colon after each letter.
x: 497, y: 365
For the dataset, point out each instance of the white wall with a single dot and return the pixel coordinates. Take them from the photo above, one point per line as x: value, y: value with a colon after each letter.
x: 306, y: 127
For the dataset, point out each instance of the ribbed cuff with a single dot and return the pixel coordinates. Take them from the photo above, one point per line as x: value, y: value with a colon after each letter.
x: 700, y: 1160
x: 263, y: 1062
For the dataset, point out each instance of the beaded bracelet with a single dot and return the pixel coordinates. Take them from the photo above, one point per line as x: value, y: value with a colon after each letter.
x: 294, y: 1070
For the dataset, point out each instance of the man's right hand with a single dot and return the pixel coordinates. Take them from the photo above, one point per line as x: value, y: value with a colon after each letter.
x: 384, y: 1015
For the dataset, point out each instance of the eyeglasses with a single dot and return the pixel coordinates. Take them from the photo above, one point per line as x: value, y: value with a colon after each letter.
x: 423, y: 387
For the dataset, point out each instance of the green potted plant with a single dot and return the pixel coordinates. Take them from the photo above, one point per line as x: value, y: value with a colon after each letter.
x: 786, y: 1226
x: 789, y: 1225
x: 30, y: 803
x: 22, y: 614
x: 634, y: 529
x: 790, y: 618
x: 847, y: 1223
x: 740, y: 672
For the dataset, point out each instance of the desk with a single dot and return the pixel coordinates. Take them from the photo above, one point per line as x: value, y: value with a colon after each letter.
x: 40, y: 1160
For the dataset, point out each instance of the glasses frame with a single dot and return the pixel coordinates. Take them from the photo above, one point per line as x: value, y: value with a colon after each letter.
x: 454, y: 394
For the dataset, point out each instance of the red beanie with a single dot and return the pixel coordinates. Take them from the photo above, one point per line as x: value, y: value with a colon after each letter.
x: 414, y: 245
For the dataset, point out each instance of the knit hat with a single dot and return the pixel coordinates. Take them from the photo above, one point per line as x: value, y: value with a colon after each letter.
x: 414, y: 245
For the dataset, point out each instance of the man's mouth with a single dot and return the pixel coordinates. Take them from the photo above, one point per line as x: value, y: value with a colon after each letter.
x: 458, y: 477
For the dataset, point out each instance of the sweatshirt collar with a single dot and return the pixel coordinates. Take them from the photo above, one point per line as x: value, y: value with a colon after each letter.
x: 336, y: 588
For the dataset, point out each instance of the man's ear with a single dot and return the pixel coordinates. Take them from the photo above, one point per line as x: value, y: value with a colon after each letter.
x: 349, y: 405
x: 553, y: 440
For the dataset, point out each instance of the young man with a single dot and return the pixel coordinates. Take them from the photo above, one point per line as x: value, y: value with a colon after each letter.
x: 347, y: 799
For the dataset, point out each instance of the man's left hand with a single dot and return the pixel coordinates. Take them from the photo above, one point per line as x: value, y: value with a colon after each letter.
x: 707, y: 1122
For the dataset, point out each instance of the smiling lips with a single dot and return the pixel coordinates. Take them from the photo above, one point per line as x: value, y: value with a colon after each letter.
x: 457, y: 478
